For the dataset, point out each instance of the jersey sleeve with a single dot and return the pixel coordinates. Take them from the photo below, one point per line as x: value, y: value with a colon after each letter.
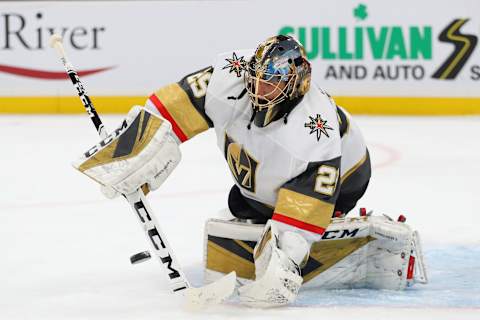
x: 308, y: 200
x: 183, y: 104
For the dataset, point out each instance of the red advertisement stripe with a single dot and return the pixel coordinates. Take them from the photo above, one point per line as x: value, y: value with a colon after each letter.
x: 297, y: 223
x: 164, y: 112
x: 48, y: 75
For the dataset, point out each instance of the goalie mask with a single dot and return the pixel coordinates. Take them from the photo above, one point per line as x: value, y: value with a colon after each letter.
x: 277, y: 77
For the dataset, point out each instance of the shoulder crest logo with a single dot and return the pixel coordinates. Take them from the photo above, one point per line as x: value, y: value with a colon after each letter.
x: 319, y: 126
x: 236, y: 65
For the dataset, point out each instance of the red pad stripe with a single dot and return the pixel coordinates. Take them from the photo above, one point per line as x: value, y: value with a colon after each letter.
x: 298, y: 223
x: 411, y: 266
x: 164, y: 112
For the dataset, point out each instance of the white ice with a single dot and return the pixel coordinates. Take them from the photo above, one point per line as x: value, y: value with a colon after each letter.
x: 65, y: 249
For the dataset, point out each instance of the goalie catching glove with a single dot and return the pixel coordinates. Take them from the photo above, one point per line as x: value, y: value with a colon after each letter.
x: 278, y: 259
x: 141, y: 151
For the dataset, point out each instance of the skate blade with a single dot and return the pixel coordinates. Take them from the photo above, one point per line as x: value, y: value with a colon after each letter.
x: 213, y: 293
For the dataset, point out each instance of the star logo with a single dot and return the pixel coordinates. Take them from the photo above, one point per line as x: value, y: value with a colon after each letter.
x: 319, y: 126
x: 236, y: 65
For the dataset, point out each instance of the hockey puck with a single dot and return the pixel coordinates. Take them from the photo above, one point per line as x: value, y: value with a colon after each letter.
x: 140, y: 257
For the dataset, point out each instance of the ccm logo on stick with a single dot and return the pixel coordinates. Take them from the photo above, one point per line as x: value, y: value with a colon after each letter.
x: 156, y: 239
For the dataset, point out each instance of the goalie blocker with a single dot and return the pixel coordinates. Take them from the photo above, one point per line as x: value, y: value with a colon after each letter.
x: 359, y: 252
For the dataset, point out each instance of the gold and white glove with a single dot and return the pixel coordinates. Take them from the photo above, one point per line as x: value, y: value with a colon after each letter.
x: 278, y: 257
x: 141, y: 151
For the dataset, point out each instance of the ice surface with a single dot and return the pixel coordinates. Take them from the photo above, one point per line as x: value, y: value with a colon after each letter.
x: 454, y: 275
x: 65, y: 249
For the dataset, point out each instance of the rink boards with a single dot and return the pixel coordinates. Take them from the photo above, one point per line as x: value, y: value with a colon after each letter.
x: 374, y: 57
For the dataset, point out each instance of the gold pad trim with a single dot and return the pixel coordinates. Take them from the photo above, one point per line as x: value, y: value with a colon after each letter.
x: 325, y: 253
x: 222, y: 260
x: 329, y: 253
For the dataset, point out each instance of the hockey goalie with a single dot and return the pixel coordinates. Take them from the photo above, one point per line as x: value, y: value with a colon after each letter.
x: 299, y: 164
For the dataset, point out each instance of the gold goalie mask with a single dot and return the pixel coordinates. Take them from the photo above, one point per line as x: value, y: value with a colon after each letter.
x: 277, y: 77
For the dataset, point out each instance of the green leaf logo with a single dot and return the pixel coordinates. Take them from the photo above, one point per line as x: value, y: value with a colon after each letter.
x: 360, y: 12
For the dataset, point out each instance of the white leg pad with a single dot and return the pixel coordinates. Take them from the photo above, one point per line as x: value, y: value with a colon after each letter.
x: 365, y: 252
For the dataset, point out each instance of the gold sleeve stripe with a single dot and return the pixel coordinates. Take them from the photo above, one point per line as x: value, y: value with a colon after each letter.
x: 353, y: 169
x: 175, y: 105
x: 163, y: 111
x: 303, y: 211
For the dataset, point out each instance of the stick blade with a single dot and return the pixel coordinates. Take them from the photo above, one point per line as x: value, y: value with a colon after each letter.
x: 214, y: 293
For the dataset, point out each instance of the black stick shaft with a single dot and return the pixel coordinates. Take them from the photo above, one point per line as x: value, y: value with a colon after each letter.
x: 86, y: 101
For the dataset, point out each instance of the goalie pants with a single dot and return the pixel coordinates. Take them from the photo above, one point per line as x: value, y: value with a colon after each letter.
x: 351, y: 190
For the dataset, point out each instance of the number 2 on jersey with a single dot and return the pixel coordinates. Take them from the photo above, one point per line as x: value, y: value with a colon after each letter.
x: 326, y: 180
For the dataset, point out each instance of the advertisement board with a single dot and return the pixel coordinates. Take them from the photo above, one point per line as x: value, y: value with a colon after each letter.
x: 380, y: 57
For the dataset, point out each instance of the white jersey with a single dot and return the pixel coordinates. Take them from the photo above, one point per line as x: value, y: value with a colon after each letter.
x: 295, y: 166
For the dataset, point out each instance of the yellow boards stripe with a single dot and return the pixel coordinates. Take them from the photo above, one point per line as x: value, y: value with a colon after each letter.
x: 54, y: 105
x: 409, y: 105
x: 354, y: 104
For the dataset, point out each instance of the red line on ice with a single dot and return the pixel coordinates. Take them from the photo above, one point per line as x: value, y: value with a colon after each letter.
x: 392, y: 156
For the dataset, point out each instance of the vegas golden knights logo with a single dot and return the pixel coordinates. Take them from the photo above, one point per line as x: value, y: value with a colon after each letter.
x: 242, y: 164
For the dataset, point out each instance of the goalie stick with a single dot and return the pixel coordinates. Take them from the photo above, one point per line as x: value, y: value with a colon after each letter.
x: 210, y: 294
